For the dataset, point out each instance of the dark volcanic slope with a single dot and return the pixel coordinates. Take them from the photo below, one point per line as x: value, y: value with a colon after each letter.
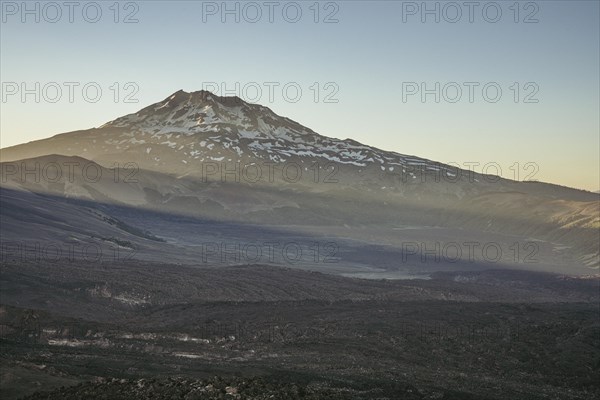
x: 189, y: 154
x: 159, y: 216
x: 364, y: 347
x: 104, y: 291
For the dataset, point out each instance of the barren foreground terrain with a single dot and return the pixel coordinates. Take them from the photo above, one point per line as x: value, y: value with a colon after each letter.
x: 71, y: 332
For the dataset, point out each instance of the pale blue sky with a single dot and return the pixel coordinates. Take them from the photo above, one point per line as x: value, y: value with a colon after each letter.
x: 368, y: 55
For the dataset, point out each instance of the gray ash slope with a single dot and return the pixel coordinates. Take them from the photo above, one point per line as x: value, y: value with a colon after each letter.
x: 175, y: 141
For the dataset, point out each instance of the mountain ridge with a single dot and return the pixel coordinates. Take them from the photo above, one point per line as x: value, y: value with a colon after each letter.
x: 186, y: 130
x: 190, y: 153
x: 202, y: 127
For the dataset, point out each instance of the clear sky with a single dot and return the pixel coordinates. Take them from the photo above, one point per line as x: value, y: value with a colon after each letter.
x: 367, y: 61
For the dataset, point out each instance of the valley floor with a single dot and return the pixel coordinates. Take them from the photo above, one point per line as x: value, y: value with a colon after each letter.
x: 73, y: 333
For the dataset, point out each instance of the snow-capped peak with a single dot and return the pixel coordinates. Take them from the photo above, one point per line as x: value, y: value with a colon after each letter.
x: 201, y: 126
x: 203, y: 112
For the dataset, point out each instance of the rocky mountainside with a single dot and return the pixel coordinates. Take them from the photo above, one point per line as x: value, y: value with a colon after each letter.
x: 186, y: 129
x: 220, y: 158
x: 194, y: 133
